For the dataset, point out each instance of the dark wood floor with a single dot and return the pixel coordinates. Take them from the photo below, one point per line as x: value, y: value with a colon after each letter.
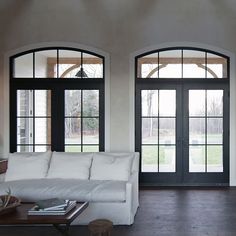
x: 175, y: 212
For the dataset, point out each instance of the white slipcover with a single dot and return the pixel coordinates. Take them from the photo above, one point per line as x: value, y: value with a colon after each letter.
x: 110, y: 199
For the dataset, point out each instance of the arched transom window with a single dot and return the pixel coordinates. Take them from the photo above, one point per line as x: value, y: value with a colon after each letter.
x: 182, y: 63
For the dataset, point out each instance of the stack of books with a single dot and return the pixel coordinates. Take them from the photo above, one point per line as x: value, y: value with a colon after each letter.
x: 52, y: 206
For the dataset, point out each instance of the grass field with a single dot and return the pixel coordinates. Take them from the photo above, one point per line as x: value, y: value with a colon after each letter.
x: 167, y: 153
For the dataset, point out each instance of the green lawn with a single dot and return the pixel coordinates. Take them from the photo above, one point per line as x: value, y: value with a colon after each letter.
x: 167, y: 153
x: 87, y: 148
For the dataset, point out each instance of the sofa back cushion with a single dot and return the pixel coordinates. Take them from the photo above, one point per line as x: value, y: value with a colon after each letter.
x: 27, y: 165
x: 69, y: 165
x: 111, y: 166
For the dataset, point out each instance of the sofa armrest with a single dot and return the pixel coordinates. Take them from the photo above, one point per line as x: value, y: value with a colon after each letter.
x: 134, y: 182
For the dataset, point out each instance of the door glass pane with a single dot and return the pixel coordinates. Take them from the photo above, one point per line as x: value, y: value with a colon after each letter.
x: 25, y: 148
x: 42, y: 103
x: 148, y: 66
x: 167, y: 158
x: 149, y: 130
x: 34, y: 119
x: 194, y: 64
x: 69, y: 63
x: 167, y: 131
x: 72, y: 131
x: 215, y: 130
x: 42, y: 131
x: 214, y: 102
x: 90, y: 103
x: 171, y: 62
x: 25, y: 127
x: 92, y: 66
x: 82, y: 120
x: 197, y: 130
x: 197, y: 103
x: 73, y: 103
x: 149, y: 102
x: 90, y: 148
x: 90, y: 131
x: 25, y: 103
x: 42, y: 148
x: 23, y: 66
x: 197, y: 158
x: 149, y: 158
x: 72, y: 148
x: 214, y: 158
x: 217, y: 66
x: 46, y: 64
x: 167, y: 102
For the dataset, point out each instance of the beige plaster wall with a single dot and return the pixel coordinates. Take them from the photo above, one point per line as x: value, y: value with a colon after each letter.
x: 120, y: 28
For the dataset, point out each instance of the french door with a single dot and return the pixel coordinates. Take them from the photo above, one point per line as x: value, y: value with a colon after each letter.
x: 57, y: 100
x: 182, y: 132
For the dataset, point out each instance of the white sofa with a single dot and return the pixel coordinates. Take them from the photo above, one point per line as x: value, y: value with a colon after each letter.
x: 109, y: 181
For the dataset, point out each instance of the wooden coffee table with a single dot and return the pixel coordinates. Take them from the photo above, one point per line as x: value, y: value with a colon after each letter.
x: 61, y: 223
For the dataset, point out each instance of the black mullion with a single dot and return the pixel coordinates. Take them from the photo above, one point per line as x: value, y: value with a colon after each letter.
x: 158, y: 132
x: 28, y: 144
x: 33, y: 116
x: 76, y: 144
x: 202, y: 144
x: 13, y: 120
x: 101, y: 119
x: 88, y: 117
x: 81, y: 118
x: 82, y: 66
x: 33, y: 64
x: 57, y: 63
x: 215, y: 117
x: 182, y: 63
x: 206, y: 131
x: 206, y: 65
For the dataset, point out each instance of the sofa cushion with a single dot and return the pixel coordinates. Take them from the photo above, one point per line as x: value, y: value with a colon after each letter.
x: 111, y: 166
x: 27, y: 165
x: 70, y: 165
x: 80, y: 190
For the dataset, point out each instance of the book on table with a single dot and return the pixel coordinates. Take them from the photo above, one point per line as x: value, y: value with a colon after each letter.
x: 52, y: 211
x: 52, y: 203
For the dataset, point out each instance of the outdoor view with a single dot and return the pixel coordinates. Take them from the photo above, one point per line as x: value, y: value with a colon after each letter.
x: 206, y: 130
x: 158, y: 130
x: 81, y: 120
x: 33, y: 120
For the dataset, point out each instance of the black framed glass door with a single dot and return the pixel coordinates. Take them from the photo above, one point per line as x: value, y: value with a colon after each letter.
x: 182, y: 116
x: 159, y: 137
x: 184, y: 134
x: 206, y: 134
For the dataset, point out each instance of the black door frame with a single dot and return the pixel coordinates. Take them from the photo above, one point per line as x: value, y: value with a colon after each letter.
x: 207, y: 178
x: 57, y: 87
x: 183, y: 178
x: 158, y: 177
x: 57, y: 112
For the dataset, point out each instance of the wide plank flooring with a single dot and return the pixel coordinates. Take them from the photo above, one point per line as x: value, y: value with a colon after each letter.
x: 165, y: 211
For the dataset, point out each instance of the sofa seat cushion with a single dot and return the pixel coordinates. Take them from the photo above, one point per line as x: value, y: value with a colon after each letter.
x: 80, y: 190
